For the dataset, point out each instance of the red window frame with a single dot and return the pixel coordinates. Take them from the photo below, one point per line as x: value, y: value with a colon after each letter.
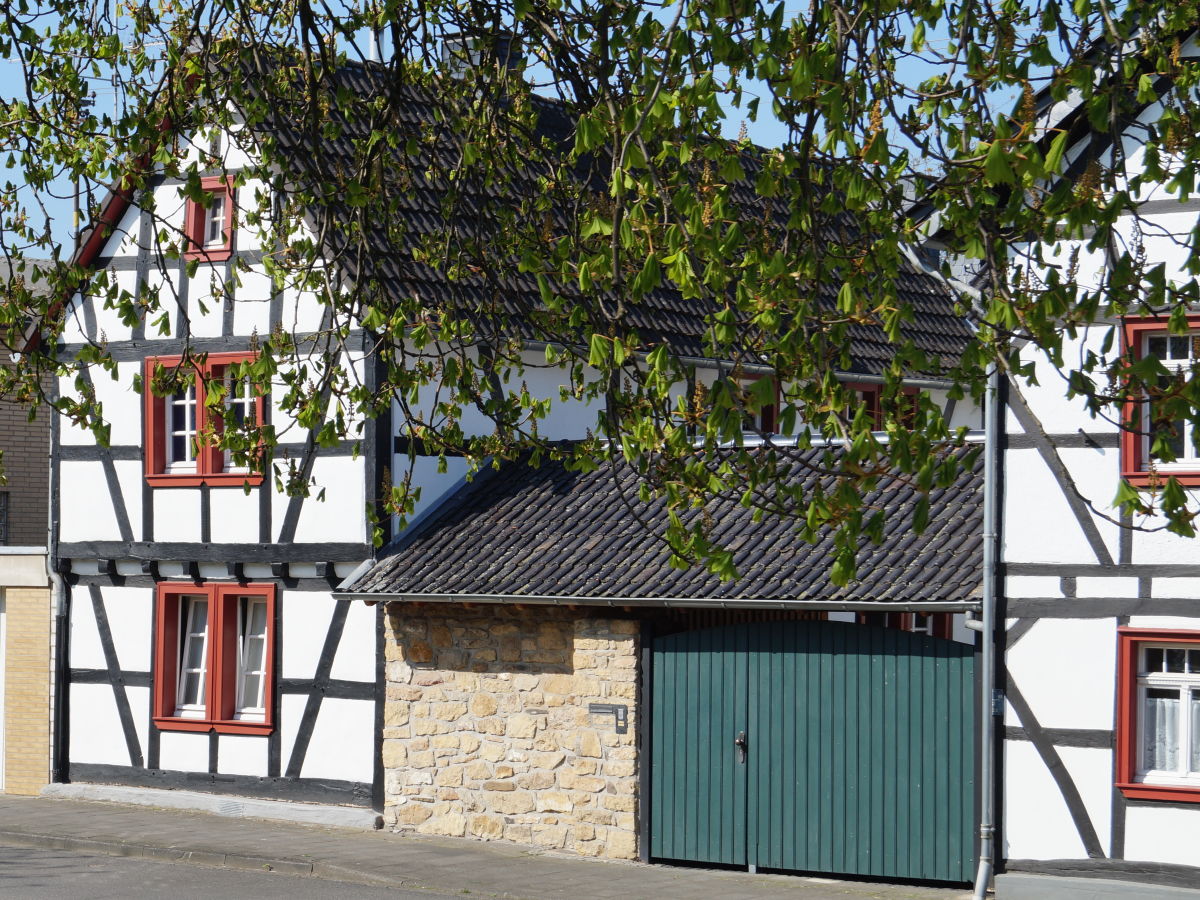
x: 767, y: 416
x: 210, y: 461
x: 1134, y: 467
x: 871, y: 394
x: 941, y: 626
x: 196, y: 219
x: 1129, y: 641
x: 221, y: 661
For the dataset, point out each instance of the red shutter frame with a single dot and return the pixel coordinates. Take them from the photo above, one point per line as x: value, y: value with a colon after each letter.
x: 1133, y: 463
x: 222, y: 658
x: 196, y: 217
x: 209, y: 460
x: 1125, y: 763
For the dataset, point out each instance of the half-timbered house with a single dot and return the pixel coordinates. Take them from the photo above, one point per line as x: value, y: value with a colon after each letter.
x: 527, y: 666
x: 1101, y: 644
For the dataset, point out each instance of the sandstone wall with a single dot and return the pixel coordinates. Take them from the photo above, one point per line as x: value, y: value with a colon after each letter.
x: 487, y: 731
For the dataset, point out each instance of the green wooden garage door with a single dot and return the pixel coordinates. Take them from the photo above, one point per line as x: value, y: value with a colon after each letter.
x: 857, y: 755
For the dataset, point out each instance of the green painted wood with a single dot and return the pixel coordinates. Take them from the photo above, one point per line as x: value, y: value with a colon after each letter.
x: 697, y: 783
x: 860, y: 762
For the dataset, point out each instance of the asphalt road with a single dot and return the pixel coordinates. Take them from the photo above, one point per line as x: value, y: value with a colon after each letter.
x: 27, y: 874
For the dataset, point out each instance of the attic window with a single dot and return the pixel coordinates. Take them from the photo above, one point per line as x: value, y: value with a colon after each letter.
x: 209, y: 221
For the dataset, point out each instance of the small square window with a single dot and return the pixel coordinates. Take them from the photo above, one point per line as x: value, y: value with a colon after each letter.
x: 214, y: 648
x: 208, y: 223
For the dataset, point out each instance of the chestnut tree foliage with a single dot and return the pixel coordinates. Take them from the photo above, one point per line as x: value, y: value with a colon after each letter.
x: 596, y: 180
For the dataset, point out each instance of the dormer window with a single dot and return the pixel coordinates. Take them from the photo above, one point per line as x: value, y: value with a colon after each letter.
x: 209, y: 221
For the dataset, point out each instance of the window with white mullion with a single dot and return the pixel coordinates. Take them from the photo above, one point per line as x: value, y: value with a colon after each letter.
x: 191, y: 694
x: 214, y: 222
x: 181, y: 431
x: 1169, y: 708
x: 1178, y: 354
x: 252, y: 659
x: 239, y: 411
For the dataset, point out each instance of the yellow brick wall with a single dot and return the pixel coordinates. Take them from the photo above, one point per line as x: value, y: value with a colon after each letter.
x: 27, y: 690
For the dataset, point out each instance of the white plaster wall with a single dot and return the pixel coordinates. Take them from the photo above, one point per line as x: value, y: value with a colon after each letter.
x: 130, y: 613
x: 183, y: 751
x: 177, y: 515
x: 1065, y: 669
x: 355, y: 657
x: 234, y: 515
x: 1037, y: 824
x: 1038, y: 523
x: 1106, y: 587
x: 1162, y: 834
x: 96, y: 735
x: 305, y: 618
x: 343, y: 743
x: 86, y: 651
x: 1032, y: 586
x: 252, y: 311
x: 242, y: 755
x: 86, y: 505
x: 290, y: 713
x: 338, y: 516
x: 1174, y: 623
x: 425, y: 475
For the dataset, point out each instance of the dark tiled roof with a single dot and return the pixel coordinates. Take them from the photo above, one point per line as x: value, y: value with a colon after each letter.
x: 521, y: 531
x: 419, y: 190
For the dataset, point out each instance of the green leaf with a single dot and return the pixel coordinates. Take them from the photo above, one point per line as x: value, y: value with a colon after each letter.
x: 598, y: 350
x: 996, y: 169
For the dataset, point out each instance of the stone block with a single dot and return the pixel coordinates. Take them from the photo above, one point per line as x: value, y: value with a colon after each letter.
x: 536, y: 781
x: 416, y: 776
x: 499, y: 786
x: 519, y: 834
x: 445, y: 742
x: 505, y: 771
x: 618, y: 803
x: 553, y: 836
x: 589, y: 783
x: 551, y: 760
x: 412, y: 813
x: 620, y: 768
x: 589, y: 744
x: 558, y: 684
x: 521, y: 726
x: 449, y: 824
x: 420, y: 759
x: 478, y: 771
x: 621, y: 845
x: 439, y: 636
x: 395, y: 713
x: 468, y: 743
x: 525, y: 683
x: 589, y: 848
x: 492, y: 751
x: 489, y: 828
x: 450, y: 776
x: 512, y: 803
x: 584, y: 767
x: 419, y: 653
x: 395, y: 754
x: 554, y: 801
x: 483, y: 705
x: 449, y: 712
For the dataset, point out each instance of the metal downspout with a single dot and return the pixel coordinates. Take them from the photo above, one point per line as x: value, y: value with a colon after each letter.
x: 60, y: 596
x: 987, y: 719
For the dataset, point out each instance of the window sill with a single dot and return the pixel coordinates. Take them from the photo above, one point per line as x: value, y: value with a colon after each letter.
x: 221, y: 726
x: 1173, y: 792
x: 1142, y: 479
x: 217, y: 479
x: 210, y: 254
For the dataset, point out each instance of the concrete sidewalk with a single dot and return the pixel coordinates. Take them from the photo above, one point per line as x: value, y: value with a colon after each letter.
x: 452, y: 865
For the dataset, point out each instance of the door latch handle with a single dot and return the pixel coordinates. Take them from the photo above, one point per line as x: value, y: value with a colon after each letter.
x: 741, y: 743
